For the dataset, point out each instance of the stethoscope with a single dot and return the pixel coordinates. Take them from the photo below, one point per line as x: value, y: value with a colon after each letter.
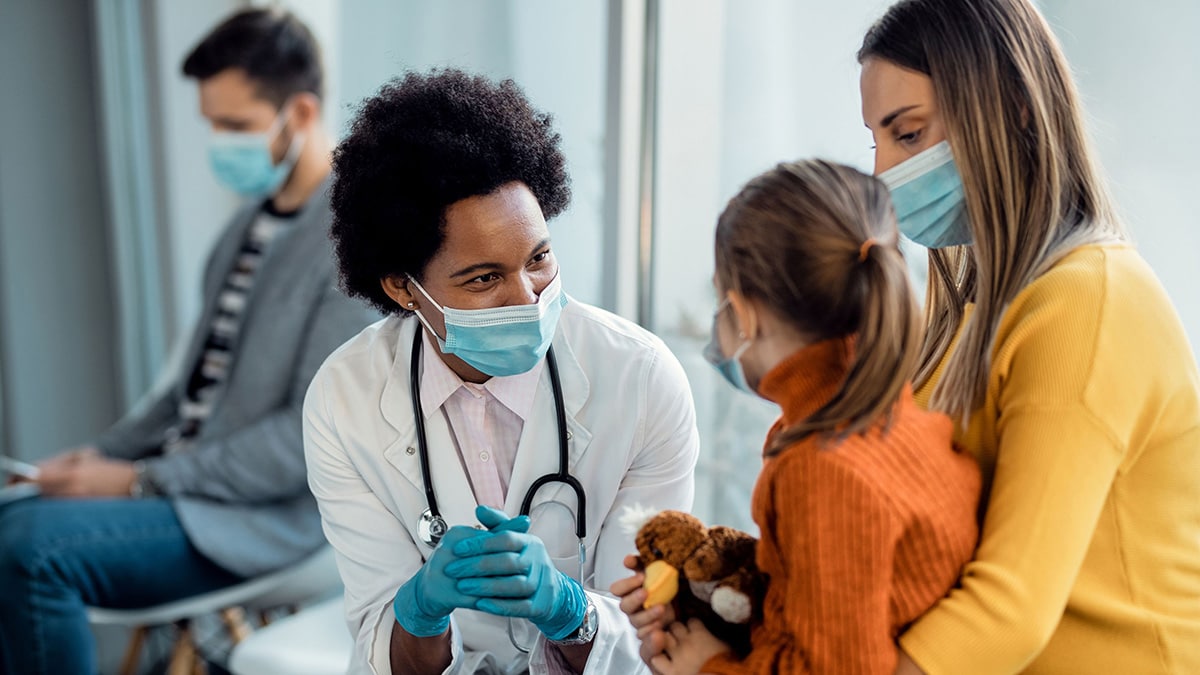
x: 431, y: 527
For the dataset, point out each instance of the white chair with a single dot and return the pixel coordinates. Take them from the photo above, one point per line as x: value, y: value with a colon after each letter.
x: 310, y: 580
x: 312, y: 642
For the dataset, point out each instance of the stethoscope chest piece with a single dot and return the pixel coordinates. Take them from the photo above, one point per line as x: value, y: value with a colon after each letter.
x: 431, y: 528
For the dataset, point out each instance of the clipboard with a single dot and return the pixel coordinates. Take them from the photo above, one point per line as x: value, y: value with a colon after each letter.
x: 12, y: 493
x: 11, y: 467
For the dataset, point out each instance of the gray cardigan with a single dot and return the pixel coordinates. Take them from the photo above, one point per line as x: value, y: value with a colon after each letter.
x: 240, y: 490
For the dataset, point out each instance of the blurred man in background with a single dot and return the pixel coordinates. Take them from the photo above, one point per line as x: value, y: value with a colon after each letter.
x: 203, y: 484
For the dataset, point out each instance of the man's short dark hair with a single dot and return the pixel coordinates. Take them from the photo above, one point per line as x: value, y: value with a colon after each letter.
x: 275, y: 49
x: 422, y: 143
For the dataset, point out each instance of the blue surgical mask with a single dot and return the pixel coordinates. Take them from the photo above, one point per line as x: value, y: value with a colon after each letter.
x: 927, y: 193
x: 730, y: 368
x: 501, y: 341
x: 242, y: 161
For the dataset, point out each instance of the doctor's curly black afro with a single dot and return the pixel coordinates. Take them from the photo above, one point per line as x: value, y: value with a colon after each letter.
x: 422, y: 143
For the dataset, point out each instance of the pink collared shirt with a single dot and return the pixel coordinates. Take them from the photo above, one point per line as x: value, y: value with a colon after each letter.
x: 485, y: 420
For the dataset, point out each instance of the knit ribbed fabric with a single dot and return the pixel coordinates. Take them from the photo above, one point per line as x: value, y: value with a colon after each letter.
x: 1089, y: 436
x: 858, y: 537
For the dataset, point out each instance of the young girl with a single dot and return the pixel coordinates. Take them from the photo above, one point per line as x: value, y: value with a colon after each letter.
x: 866, y: 511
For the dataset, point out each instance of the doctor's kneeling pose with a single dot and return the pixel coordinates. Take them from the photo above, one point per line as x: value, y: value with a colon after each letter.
x: 471, y: 454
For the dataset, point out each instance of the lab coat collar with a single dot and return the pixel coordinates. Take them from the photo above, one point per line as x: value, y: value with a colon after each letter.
x: 537, y: 452
x: 439, y: 383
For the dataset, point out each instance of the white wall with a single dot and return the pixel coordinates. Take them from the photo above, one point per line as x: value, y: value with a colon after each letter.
x: 56, y: 316
x: 1138, y: 67
x: 554, y: 50
x: 194, y: 207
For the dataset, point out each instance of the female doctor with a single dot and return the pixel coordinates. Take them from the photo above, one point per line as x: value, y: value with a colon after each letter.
x: 489, y: 392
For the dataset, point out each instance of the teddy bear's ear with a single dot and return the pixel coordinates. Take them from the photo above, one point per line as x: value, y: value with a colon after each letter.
x: 634, y: 516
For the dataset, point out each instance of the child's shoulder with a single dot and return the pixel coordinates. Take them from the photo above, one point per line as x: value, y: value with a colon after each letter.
x: 914, y: 445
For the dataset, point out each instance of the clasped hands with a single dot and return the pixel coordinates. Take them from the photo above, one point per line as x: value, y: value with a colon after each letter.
x: 502, y: 570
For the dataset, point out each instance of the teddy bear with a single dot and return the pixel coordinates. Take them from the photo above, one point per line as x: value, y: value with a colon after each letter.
x: 724, y: 588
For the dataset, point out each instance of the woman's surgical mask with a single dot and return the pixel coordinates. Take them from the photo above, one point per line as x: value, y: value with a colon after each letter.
x: 730, y: 368
x: 500, y: 341
x: 927, y: 193
x: 242, y: 161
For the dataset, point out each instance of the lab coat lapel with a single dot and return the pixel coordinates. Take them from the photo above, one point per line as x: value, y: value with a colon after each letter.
x: 537, y: 452
x: 455, y: 498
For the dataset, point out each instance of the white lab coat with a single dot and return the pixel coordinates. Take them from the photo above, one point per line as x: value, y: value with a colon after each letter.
x: 633, y: 441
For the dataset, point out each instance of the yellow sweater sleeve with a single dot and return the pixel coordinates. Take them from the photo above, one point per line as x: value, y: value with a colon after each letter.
x: 1061, y: 389
x: 1052, y: 477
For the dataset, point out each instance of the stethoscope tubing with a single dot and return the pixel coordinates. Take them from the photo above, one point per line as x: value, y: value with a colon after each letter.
x: 562, y: 476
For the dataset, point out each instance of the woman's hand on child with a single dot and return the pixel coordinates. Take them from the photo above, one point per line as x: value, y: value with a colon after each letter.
x: 688, y: 648
x: 650, y: 623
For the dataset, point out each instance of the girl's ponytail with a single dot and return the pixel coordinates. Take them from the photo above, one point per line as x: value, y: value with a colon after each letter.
x: 818, y: 243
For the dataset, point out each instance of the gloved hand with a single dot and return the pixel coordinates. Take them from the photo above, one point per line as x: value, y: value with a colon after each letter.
x: 496, y: 520
x: 511, y: 574
x: 423, y: 604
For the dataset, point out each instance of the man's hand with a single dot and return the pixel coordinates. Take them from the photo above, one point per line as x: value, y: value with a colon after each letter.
x: 84, y: 472
x: 17, y: 471
x: 650, y: 623
x: 688, y: 649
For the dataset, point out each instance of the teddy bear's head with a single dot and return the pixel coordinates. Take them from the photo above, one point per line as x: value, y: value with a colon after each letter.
x: 671, y: 536
x: 709, y: 573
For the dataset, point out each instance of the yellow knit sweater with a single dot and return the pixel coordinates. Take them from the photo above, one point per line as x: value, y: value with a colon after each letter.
x: 1089, y: 558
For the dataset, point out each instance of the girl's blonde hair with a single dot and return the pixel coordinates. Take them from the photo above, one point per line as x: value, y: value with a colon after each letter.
x: 1033, y: 191
x: 817, y: 243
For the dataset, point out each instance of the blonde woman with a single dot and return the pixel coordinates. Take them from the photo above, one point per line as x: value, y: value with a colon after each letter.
x: 1052, y: 344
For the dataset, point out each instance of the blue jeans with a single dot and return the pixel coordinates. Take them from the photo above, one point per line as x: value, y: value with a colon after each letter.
x: 59, y: 555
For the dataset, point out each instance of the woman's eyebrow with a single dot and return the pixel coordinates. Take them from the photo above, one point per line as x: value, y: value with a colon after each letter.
x: 891, y: 117
x: 489, y: 266
x: 476, y: 268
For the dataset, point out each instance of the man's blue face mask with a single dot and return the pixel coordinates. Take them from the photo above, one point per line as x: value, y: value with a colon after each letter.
x: 927, y: 193
x: 242, y: 161
x: 501, y: 341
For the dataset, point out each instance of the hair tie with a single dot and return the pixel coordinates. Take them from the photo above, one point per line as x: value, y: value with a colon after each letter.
x: 865, y: 249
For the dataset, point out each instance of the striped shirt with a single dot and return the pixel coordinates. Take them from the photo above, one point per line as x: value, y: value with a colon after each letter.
x: 212, y: 368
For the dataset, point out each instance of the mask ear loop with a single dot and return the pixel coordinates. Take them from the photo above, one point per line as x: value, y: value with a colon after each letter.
x: 738, y: 353
x: 421, y: 317
x: 296, y: 145
x: 294, y: 149
x: 741, y: 350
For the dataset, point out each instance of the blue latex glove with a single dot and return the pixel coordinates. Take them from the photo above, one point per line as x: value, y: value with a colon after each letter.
x: 511, y: 574
x: 496, y: 520
x: 423, y: 604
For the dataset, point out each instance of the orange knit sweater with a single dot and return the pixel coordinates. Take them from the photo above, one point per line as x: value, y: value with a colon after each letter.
x: 858, y: 537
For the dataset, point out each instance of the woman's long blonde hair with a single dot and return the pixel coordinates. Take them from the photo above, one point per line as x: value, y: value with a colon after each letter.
x: 817, y: 243
x: 1033, y: 191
